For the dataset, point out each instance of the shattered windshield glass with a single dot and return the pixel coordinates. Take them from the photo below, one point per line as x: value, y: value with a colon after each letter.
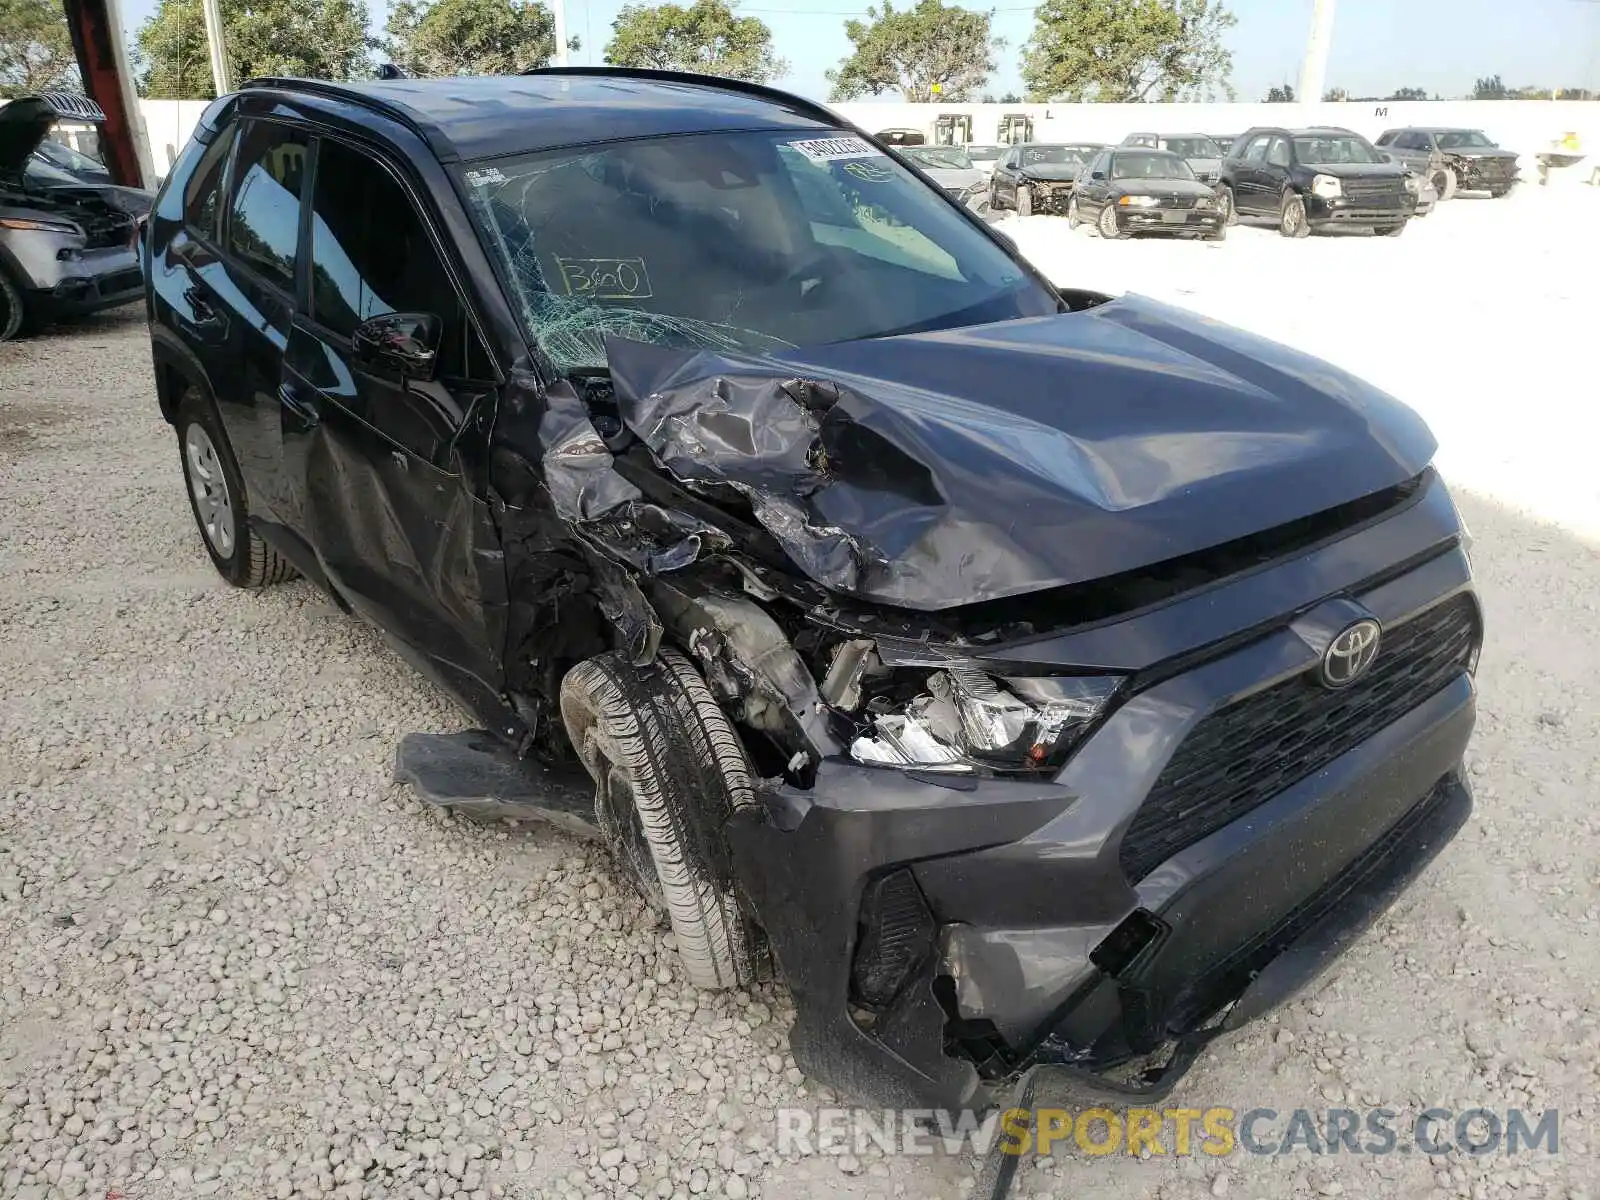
x: 747, y: 242
x: 953, y: 158
x: 1054, y: 154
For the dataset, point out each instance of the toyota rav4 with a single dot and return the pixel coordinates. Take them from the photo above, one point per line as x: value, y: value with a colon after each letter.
x: 1042, y: 682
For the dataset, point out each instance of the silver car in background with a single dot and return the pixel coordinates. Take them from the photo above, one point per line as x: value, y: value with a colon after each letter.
x: 1202, y: 154
x: 948, y: 166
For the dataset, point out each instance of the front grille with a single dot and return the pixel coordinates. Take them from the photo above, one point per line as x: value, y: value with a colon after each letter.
x: 1183, y: 202
x: 1244, y: 754
x: 1372, y: 189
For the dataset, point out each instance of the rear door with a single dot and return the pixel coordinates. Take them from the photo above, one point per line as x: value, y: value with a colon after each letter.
x: 371, y: 454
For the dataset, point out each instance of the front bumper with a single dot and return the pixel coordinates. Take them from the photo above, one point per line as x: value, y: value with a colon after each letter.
x: 1350, y: 210
x: 61, y: 278
x: 1049, y: 197
x: 944, y: 940
x: 1169, y: 220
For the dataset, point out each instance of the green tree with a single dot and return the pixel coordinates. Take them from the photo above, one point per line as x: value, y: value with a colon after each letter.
x: 931, y: 52
x: 1409, y: 93
x: 311, y: 39
x: 471, y: 37
x: 35, y: 48
x: 1489, y: 88
x: 1282, y: 94
x: 708, y: 38
x: 1128, y: 50
x: 1335, y: 96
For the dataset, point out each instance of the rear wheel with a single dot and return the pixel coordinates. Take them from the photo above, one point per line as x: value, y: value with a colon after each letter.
x: 1024, y: 201
x: 12, y: 310
x: 1073, y: 218
x: 669, y: 770
x: 1292, y: 221
x: 1108, y: 223
x: 1230, y: 213
x: 217, y: 499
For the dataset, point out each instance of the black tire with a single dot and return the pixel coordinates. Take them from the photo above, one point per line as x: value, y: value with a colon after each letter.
x: 13, y: 309
x: 1292, y: 221
x: 1230, y: 210
x: 1024, y: 200
x: 669, y: 770
x: 1073, y: 219
x: 244, y: 560
x: 1107, y: 223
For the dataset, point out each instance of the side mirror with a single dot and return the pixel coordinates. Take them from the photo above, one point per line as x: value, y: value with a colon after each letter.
x: 403, y: 344
x: 1097, y: 175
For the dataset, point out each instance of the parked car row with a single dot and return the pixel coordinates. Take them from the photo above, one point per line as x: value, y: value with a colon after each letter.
x: 1197, y: 184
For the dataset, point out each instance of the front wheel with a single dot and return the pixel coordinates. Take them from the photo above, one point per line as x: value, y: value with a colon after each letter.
x: 669, y: 770
x: 1292, y: 221
x: 1445, y: 183
x: 217, y: 499
x: 1073, y: 217
x: 1107, y: 224
x: 12, y: 311
x: 1024, y: 201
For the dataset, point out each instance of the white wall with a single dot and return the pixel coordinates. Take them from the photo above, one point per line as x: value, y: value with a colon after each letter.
x: 1521, y: 125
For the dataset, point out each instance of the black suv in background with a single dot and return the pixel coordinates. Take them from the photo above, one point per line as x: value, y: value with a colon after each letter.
x: 1306, y: 179
x: 1047, y: 681
x: 1453, y: 159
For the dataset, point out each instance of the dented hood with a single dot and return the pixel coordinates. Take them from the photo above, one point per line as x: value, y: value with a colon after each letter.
x: 939, y: 469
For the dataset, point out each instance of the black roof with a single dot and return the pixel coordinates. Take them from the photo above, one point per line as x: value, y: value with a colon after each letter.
x: 472, y: 117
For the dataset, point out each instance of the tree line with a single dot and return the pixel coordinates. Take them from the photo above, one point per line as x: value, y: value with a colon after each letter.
x: 1079, y: 50
x: 1489, y: 88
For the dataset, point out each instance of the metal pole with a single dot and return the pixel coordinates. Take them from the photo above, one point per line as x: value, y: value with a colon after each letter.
x: 96, y: 28
x: 1314, y: 74
x: 217, y: 45
x: 559, y: 8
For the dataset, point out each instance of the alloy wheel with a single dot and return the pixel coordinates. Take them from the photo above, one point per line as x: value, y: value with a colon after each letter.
x: 212, y: 503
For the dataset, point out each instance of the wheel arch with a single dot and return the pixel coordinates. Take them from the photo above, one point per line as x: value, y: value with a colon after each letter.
x: 177, y: 370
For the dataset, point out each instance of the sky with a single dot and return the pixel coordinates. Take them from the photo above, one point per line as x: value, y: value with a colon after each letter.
x: 1378, y: 45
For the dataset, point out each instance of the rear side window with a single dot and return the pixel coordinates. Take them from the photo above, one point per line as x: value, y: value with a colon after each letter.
x: 371, y: 254
x: 269, y: 178
x: 202, y: 196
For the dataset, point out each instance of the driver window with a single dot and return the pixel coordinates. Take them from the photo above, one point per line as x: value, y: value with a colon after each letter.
x: 1257, y: 150
x: 1278, y: 155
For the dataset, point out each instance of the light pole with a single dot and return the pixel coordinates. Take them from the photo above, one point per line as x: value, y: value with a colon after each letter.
x: 559, y: 8
x: 1314, y: 73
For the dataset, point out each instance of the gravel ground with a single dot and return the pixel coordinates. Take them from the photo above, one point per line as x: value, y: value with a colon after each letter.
x: 235, y: 960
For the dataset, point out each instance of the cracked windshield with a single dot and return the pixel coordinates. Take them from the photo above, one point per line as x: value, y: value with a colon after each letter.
x: 745, y: 242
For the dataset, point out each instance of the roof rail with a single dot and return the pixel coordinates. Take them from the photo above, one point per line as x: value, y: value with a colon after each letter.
x: 335, y: 91
x: 720, y: 82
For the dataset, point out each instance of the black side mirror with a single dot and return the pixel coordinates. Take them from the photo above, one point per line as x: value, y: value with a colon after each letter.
x: 403, y: 344
x: 1097, y: 175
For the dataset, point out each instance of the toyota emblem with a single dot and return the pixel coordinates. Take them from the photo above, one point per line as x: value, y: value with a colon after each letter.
x: 1350, y: 654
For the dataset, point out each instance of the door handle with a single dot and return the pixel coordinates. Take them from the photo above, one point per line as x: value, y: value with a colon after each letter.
x: 199, y: 305
x: 300, y: 415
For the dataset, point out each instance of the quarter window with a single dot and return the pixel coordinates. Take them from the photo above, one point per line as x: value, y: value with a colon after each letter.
x: 269, y: 179
x: 202, y: 196
x: 371, y: 254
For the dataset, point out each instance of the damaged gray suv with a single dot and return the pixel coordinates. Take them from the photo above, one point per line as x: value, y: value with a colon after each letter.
x: 1040, y: 683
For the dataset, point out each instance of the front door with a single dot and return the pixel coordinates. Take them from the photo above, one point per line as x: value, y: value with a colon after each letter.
x: 372, y: 455
x: 269, y: 177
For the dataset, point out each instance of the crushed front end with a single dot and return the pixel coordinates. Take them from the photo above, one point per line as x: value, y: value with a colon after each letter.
x: 1214, y: 836
x: 1097, y: 704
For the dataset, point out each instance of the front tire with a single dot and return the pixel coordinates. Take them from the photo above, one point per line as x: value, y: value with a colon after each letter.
x: 13, y: 309
x: 1225, y: 201
x: 1074, y: 219
x: 217, y: 499
x: 1024, y: 201
x: 1107, y: 224
x: 1446, y: 183
x: 669, y: 770
x: 1292, y: 222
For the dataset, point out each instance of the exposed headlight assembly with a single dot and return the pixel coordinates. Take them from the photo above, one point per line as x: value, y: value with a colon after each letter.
x: 1413, y: 185
x: 41, y: 226
x: 1138, y: 201
x: 1326, y: 186
x: 967, y: 720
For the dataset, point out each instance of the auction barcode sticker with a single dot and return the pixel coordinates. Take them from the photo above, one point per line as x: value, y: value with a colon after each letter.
x: 836, y: 149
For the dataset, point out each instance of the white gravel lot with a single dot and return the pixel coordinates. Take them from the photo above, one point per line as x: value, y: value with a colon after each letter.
x: 235, y: 960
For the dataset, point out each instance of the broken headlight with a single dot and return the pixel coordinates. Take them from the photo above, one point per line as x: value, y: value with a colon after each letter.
x: 1327, y: 186
x: 967, y: 720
